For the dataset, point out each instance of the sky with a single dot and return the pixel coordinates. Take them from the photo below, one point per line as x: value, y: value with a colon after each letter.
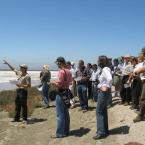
x: 36, y: 32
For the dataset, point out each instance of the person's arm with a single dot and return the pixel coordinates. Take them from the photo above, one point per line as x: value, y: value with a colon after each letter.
x: 106, y: 73
x: 140, y: 70
x: 10, y: 66
x: 27, y: 85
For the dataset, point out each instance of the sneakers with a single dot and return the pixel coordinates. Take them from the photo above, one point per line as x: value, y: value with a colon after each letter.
x: 58, y: 136
x: 97, y: 137
x: 15, y: 120
x: 85, y: 110
x: 138, y: 119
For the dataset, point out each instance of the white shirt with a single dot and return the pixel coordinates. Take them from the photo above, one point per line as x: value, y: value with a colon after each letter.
x: 138, y: 66
x: 95, y: 75
x: 105, y: 78
x: 73, y: 72
x: 127, y: 69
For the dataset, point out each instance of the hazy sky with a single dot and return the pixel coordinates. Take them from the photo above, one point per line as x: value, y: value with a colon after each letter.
x: 36, y: 32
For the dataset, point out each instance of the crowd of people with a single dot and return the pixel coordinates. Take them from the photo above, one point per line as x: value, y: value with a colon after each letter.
x: 94, y: 82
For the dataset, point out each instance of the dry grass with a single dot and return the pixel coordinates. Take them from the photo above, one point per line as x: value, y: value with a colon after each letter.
x: 7, y: 101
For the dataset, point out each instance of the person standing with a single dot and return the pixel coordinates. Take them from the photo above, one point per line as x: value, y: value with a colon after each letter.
x: 125, y: 91
x: 45, y: 77
x: 82, y: 81
x: 141, y: 71
x: 72, y: 86
x: 89, y: 84
x: 104, y: 87
x: 63, y: 83
x: 94, y: 80
x: 24, y: 82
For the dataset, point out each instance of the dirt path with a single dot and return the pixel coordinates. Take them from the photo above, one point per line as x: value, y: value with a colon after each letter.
x: 83, y: 127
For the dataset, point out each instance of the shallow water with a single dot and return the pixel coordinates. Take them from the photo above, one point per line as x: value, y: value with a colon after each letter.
x: 7, y: 76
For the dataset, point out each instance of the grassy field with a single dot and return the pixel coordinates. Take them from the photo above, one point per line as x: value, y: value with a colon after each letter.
x: 7, y: 100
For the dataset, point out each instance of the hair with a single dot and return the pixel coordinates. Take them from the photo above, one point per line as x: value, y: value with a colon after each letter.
x: 45, y: 67
x: 135, y: 60
x: 68, y: 63
x: 103, y: 61
x: 94, y: 66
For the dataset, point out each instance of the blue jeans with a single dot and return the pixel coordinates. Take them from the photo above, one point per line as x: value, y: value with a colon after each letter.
x: 63, y: 118
x: 82, y: 92
x: 45, y: 94
x: 101, y: 113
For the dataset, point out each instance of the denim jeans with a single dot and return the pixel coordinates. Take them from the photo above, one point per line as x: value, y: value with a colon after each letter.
x: 82, y: 92
x: 101, y: 113
x: 63, y: 118
x: 45, y: 94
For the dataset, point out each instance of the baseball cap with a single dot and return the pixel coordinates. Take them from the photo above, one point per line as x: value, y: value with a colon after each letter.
x: 24, y: 66
x: 60, y: 59
x: 72, y: 63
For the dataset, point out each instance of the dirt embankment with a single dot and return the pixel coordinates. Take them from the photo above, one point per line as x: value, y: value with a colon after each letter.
x: 42, y: 125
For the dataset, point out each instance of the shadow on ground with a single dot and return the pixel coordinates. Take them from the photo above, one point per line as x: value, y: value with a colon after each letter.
x: 80, y: 132
x: 120, y: 130
x: 36, y: 120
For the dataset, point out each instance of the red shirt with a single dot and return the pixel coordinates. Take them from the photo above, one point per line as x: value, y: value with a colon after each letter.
x: 64, y: 79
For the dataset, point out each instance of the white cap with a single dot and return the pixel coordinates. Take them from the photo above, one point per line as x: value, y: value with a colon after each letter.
x: 24, y: 66
x: 72, y: 63
x: 127, y: 56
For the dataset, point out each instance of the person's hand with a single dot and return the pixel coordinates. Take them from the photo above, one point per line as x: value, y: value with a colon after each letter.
x: 104, y: 89
x: 135, y: 73
x: 18, y: 85
x: 5, y: 62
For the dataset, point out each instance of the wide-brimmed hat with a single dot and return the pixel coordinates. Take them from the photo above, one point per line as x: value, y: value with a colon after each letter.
x: 24, y: 66
x: 127, y: 56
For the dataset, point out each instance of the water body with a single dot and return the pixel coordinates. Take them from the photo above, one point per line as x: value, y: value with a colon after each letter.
x: 6, y: 77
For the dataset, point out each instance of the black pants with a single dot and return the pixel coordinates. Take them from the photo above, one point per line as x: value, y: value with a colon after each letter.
x: 90, y: 90
x: 125, y: 93
x: 21, y: 103
x: 136, y: 89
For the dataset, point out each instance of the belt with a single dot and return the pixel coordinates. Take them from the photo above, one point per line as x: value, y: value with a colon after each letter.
x: 62, y: 90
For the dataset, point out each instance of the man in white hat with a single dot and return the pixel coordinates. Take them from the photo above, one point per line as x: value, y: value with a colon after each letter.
x: 23, y: 83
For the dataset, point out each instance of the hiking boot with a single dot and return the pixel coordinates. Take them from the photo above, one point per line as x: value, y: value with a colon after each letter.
x: 138, y: 119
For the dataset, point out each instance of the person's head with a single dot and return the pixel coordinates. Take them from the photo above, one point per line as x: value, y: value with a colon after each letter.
x: 102, y: 61
x: 68, y: 64
x: 143, y: 51
x: 127, y: 58
x: 72, y: 64
x: 81, y: 63
x: 23, y: 68
x: 45, y: 67
x: 141, y: 57
x: 134, y: 61
x: 89, y: 65
x: 115, y: 62
x: 94, y: 67
x: 60, y: 61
